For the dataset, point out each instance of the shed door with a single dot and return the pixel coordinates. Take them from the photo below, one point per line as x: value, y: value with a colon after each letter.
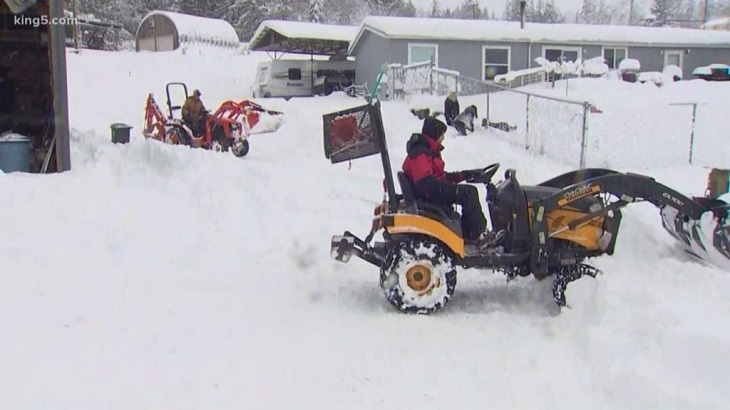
x: 165, y: 43
x: 673, y: 57
x: 147, y: 43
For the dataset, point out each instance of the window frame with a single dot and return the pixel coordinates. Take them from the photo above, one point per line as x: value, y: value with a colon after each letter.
x: 294, y: 70
x: 677, y: 52
x: 435, y: 52
x: 564, y: 48
x: 484, y: 58
x: 614, y: 48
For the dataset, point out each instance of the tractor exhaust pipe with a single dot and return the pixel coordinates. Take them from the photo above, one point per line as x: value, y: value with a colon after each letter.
x: 523, y: 4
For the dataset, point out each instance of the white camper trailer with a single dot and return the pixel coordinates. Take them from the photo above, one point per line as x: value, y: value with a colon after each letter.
x: 293, y: 78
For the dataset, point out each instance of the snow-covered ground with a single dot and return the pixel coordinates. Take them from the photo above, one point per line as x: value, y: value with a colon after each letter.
x: 153, y: 276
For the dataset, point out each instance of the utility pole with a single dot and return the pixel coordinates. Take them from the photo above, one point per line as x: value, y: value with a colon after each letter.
x: 76, y: 30
x: 704, y: 14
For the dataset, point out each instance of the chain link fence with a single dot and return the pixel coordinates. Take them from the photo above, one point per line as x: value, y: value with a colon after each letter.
x: 620, y: 135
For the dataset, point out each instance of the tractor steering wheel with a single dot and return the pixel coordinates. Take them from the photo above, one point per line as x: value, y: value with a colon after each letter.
x: 486, y: 176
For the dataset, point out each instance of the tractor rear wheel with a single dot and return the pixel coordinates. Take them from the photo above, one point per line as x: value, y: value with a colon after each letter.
x: 177, y: 136
x: 418, y: 276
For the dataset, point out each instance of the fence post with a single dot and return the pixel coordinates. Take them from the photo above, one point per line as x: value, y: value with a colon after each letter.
x: 692, y: 135
x: 430, y: 76
x: 527, y: 123
x: 487, y: 109
x: 583, y: 140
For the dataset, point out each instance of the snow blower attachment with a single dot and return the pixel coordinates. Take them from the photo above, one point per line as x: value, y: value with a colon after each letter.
x: 552, y: 227
x: 706, y: 237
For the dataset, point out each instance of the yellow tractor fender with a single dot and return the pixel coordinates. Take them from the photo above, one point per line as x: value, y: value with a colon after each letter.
x: 416, y: 224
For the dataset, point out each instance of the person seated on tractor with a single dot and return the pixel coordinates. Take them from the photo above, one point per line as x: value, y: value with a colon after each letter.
x: 194, y: 113
x: 426, y: 169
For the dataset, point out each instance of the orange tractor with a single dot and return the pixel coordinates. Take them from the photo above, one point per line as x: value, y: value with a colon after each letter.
x: 225, y: 129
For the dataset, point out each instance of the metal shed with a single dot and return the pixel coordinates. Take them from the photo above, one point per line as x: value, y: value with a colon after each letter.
x: 166, y: 31
x: 33, y: 86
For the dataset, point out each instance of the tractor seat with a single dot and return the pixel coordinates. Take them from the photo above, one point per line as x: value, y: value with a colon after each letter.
x: 534, y: 193
x: 422, y: 207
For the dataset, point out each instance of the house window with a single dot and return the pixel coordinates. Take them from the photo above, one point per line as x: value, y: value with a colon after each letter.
x: 613, y: 56
x: 495, y: 61
x: 419, y: 52
x: 295, y: 73
x: 561, y: 53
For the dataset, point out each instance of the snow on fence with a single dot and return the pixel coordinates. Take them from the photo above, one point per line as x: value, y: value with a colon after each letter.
x: 633, y: 136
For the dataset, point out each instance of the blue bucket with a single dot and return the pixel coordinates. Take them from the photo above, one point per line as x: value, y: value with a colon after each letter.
x: 14, y: 153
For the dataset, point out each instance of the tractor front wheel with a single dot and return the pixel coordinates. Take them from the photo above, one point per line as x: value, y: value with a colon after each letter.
x: 418, y: 276
x: 240, y: 148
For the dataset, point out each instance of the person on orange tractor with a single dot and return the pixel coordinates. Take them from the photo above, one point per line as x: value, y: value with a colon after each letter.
x: 194, y: 113
x: 426, y: 169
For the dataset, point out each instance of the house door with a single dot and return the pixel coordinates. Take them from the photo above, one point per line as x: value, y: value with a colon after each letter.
x: 673, y: 57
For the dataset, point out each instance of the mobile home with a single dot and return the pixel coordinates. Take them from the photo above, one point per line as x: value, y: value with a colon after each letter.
x: 302, y: 78
x: 317, y: 64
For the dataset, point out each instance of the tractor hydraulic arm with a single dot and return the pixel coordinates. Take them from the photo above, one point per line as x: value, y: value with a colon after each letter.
x: 629, y: 188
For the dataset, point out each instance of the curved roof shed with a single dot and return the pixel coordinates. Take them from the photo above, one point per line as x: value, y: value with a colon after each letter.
x: 166, y: 31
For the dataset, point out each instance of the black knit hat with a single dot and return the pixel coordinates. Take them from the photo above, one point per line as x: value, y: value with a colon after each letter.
x: 433, y: 128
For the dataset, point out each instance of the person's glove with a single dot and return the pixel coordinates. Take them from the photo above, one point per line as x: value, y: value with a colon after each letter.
x: 470, y: 174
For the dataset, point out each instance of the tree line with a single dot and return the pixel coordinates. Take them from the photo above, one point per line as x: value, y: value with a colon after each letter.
x: 246, y: 15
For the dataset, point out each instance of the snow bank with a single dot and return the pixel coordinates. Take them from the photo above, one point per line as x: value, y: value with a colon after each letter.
x: 167, y: 277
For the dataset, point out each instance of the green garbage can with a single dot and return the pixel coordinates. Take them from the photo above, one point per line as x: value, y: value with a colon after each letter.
x: 120, y: 133
x: 14, y: 153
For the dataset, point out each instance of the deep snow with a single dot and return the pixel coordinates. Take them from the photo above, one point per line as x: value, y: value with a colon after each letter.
x: 153, y: 276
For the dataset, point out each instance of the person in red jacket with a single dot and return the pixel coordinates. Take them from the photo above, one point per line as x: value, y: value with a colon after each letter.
x: 426, y: 169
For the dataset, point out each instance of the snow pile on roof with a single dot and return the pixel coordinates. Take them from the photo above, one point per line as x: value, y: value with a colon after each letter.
x: 493, y: 30
x: 200, y: 29
x: 301, y: 29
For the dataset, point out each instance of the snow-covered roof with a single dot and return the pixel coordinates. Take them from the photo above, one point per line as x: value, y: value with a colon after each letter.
x: 510, y: 31
x: 302, y: 29
x: 198, y: 29
x: 302, y: 37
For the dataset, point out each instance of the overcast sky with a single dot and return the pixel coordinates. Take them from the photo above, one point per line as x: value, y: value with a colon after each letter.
x: 565, y: 6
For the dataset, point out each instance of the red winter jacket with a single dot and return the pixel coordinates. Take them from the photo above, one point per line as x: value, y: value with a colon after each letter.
x: 425, y: 168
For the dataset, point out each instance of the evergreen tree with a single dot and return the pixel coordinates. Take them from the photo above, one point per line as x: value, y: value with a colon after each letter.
x: 512, y: 10
x: 594, y: 12
x: 315, y: 11
x: 435, y: 10
x: 663, y: 10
